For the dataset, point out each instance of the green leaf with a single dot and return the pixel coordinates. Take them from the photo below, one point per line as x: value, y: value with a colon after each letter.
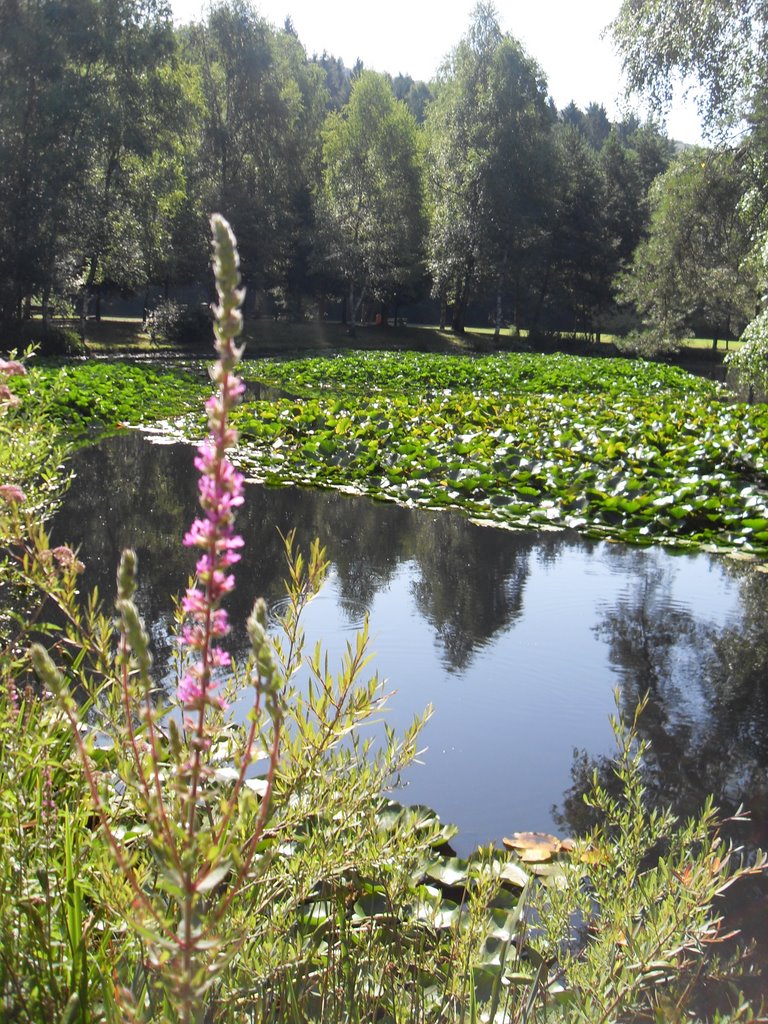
x: 453, y: 871
x: 213, y: 877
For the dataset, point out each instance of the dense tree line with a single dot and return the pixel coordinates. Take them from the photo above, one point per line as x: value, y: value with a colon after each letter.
x: 709, y: 212
x: 120, y: 132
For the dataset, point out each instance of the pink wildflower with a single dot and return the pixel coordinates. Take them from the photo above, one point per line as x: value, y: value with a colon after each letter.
x: 12, y: 368
x: 220, y: 490
x: 62, y: 556
x: 66, y: 558
x: 7, y: 397
x: 189, y: 691
x: 12, y: 494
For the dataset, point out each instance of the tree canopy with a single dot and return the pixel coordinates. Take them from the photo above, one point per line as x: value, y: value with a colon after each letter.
x: 370, y: 202
x: 691, y: 275
x: 722, y: 45
x: 719, y: 44
x: 489, y: 153
x: 120, y: 132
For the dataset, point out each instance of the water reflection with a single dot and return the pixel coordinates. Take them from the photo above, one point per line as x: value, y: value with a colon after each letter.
x: 518, y: 639
x: 706, y: 668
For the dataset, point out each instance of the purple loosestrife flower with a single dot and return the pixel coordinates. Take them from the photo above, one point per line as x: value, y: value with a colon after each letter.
x: 12, y: 494
x: 12, y: 368
x: 9, y: 368
x: 7, y: 398
x: 221, y: 493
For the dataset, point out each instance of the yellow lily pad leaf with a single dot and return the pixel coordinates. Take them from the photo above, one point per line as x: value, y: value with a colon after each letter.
x: 534, y: 847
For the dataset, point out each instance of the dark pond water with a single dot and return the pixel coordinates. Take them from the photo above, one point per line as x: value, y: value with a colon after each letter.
x: 519, y: 640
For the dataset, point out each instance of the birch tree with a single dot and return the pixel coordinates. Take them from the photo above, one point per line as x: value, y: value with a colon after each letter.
x: 371, y: 199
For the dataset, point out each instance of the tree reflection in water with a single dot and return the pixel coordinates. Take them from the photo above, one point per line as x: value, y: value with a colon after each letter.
x: 521, y: 636
x: 707, y: 717
x: 130, y: 494
x: 706, y: 720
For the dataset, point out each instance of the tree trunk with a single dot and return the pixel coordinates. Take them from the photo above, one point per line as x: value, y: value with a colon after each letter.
x: 88, y: 287
x: 460, y: 309
x: 499, y: 288
x: 351, y: 311
x: 357, y: 308
x: 84, y: 300
x: 83, y: 314
x: 457, y: 319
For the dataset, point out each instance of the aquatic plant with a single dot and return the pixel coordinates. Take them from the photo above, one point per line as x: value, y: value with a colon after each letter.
x: 611, y: 448
x: 87, y: 400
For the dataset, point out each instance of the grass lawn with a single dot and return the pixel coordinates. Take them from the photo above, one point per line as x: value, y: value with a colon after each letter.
x: 117, y: 333
x: 125, y: 335
x: 706, y: 343
x: 270, y: 337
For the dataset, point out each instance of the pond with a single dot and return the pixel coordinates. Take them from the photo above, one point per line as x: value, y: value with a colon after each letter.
x: 518, y: 639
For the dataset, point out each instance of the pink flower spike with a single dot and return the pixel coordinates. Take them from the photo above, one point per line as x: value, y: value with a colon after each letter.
x: 193, y: 637
x: 220, y: 624
x: 220, y: 492
x: 219, y: 658
x: 204, y: 568
x: 205, y: 460
x: 12, y: 368
x: 222, y: 583
x: 199, y: 534
x: 194, y: 602
x: 12, y: 494
x: 189, y: 691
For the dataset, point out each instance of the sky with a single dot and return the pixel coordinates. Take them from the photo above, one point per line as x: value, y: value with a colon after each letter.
x: 414, y: 36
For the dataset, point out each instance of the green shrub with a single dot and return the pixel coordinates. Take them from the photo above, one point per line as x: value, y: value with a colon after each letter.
x: 49, y: 339
x: 194, y: 327
x: 188, y: 326
x: 750, y: 364
x: 647, y: 344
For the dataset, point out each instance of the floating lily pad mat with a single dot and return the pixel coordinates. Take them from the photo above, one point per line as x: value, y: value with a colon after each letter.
x: 96, y: 398
x: 616, y: 448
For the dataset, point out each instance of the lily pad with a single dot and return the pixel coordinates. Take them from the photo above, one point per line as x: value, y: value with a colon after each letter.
x: 535, y: 847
